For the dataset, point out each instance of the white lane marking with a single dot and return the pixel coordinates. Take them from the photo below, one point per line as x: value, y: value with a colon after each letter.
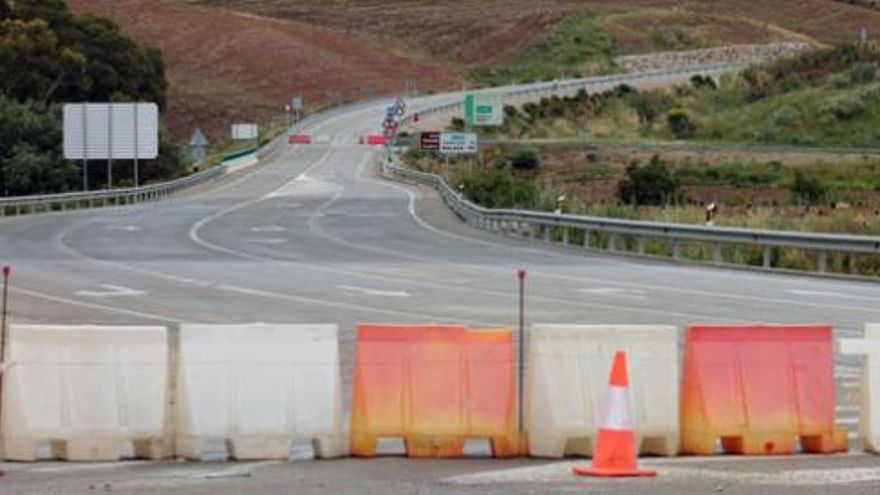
x: 561, y: 472
x: 374, y: 292
x: 353, y: 307
x: 836, y: 295
x: 614, y: 292
x: 123, y: 228
x: 82, y: 304
x: 271, y: 242
x: 268, y: 228
x: 110, y: 291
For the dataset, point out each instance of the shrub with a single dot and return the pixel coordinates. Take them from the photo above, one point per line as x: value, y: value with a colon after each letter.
x: 526, y: 159
x: 862, y: 73
x: 845, y: 107
x: 808, y: 190
x: 703, y: 82
x: 680, y: 123
x: 499, y: 188
x: 649, y: 105
x: 650, y: 184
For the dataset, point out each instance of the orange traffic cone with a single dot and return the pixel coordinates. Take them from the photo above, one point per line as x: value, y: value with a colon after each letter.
x: 615, y: 452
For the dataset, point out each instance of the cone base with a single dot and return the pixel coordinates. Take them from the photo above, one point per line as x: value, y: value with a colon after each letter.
x: 613, y: 473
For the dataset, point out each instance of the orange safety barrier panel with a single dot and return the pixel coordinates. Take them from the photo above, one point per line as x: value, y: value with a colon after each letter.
x: 373, y: 139
x: 434, y: 386
x: 758, y: 389
x: 299, y: 139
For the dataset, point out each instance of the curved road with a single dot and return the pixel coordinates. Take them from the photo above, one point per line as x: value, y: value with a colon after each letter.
x: 314, y: 235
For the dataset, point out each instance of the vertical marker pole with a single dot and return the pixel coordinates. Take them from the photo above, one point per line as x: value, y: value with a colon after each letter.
x: 521, y: 274
x: 5, y: 300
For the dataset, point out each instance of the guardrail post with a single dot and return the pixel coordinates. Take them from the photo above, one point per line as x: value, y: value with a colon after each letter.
x: 640, y: 245
x: 588, y: 239
x: 717, y: 254
x: 565, y: 236
x: 767, y: 260
x: 546, y: 229
x: 676, y: 249
x: 613, y: 242
x: 823, y: 261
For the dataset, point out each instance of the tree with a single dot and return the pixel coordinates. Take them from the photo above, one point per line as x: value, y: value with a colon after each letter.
x: 47, y: 57
x: 650, y: 184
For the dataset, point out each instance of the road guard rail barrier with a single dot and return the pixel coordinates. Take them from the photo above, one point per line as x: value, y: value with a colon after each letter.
x: 259, y: 391
x: 628, y: 236
x: 232, y: 162
x: 631, y: 236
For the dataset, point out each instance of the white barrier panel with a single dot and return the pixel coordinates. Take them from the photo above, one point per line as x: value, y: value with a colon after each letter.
x: 869, y: 408
x: 241, y: 163
x: 567, y: 385
x: 91, y: 392
x: 259, y: 390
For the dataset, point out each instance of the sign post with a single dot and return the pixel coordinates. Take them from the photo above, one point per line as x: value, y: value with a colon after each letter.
x: 5, y: 300
x: 521, y: 275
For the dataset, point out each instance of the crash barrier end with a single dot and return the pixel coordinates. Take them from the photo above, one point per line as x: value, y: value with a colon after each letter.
x: 566, y: 389
x: 758, y: 389
x: 434, y: 386
x: 91, y: 393
x: 255, y: 390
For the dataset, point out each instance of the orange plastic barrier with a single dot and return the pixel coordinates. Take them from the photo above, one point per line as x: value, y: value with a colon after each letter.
x: 373, y: 139
x: 758, y: 389
x: 433, y: 386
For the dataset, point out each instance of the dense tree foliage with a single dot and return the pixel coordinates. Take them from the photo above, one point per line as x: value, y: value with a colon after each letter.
x: 49, y: 56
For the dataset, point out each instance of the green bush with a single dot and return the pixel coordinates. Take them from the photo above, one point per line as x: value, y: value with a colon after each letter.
x: 498, y: 188
x: 703, y: 82
x: 649, y: 105
x: 680, y: 123
x: 650, y: 184
x: 526, y: 159
x: 862, y: 73
x: 808, y: 190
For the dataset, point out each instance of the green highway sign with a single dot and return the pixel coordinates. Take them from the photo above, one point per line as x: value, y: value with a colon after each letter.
x: 483, y: 109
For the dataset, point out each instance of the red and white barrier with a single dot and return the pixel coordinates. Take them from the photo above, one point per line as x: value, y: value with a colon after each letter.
x: 299, y: 139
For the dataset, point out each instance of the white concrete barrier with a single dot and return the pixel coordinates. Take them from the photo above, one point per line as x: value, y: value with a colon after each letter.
x: 567, y: 384
x: 869, y: 407
x: 259, y: 390
x: 91, y: 393
x: 241, y: 163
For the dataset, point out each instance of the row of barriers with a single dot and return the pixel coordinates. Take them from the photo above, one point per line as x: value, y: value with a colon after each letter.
x: 260, y: 391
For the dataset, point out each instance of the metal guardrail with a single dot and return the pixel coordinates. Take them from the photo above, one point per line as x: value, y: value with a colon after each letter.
x: 21, y: 205
x: 621, y: 235
x: 632, y: 235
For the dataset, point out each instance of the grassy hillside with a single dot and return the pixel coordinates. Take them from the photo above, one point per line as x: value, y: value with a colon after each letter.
x: 828, y: 97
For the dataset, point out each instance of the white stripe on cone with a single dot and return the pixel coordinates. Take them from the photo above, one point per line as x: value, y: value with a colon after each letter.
x: 617, y: 413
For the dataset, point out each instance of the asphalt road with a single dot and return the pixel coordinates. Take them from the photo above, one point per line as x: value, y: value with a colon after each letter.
x: 315, y: 235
